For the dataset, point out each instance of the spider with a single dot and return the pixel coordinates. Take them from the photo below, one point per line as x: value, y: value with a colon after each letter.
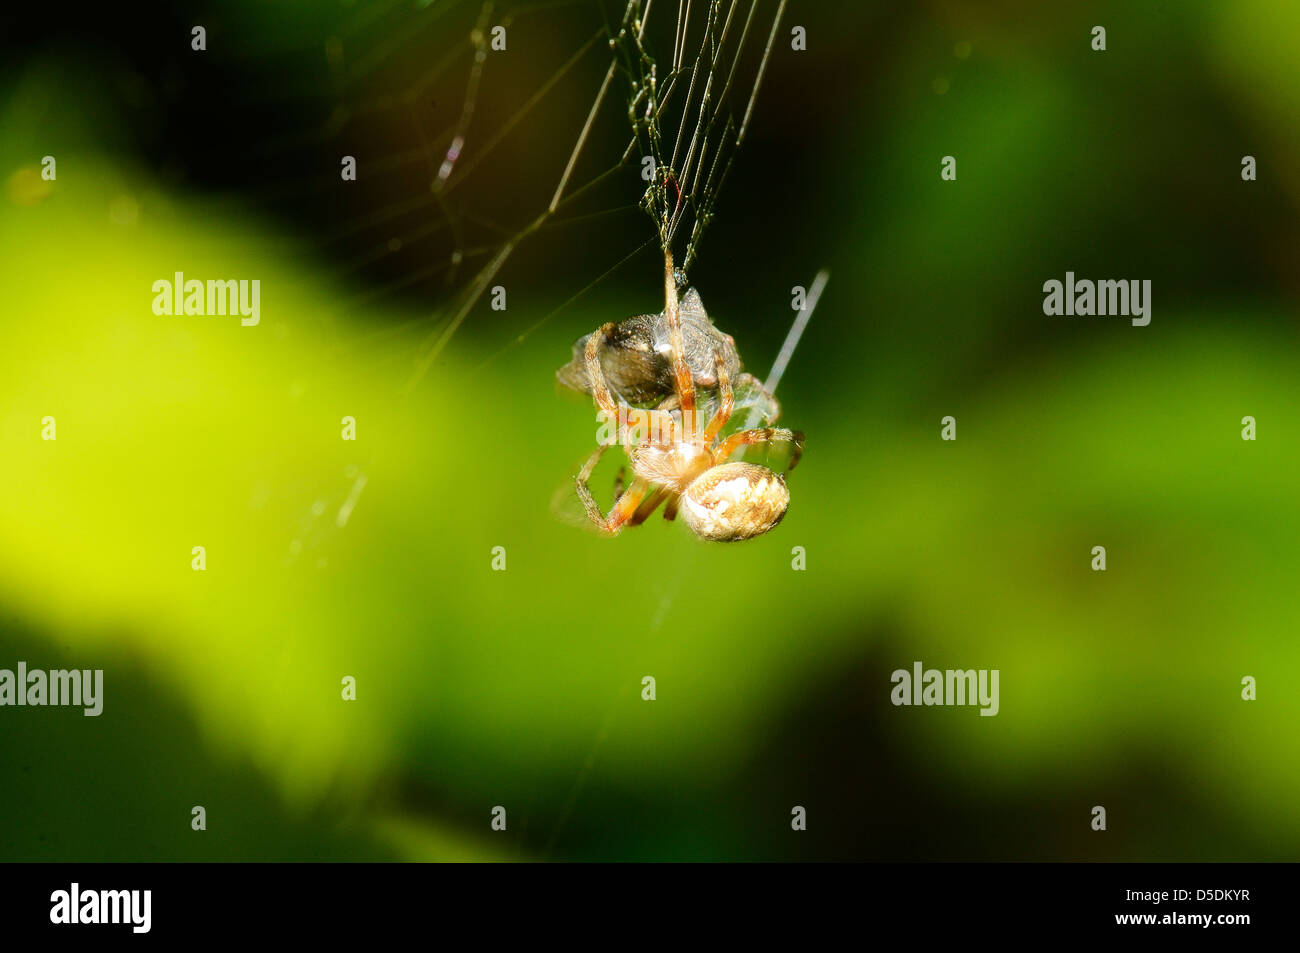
x: 683, y: 467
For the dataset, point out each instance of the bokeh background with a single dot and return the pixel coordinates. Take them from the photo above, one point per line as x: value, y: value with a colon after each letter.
x: 522, y: 688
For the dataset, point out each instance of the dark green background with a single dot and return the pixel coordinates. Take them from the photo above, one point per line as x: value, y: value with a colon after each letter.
x: 522, y: 688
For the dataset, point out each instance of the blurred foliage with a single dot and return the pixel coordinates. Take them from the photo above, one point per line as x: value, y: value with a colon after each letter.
x: 478, y: 688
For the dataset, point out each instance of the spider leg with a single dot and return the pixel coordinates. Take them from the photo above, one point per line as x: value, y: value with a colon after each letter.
x: 623, y: 510
x: 648, y: 506
x: 670, y: 511
x: 670, y: 403
x: 618, y: 483
x: 599, y: 389
x: 584, y: 476
x: 764, y: 435
x: 624, y: 507
x: 685, y: 386
x: 662, y: 427
x: 728, y: 402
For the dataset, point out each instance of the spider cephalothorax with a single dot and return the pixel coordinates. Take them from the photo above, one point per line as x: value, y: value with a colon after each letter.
x: 681, y: 465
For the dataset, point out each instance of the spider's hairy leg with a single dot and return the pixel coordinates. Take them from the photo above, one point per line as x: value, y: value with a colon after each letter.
x: 584, y: 491
x: 624, y: 508
x: 725, y: 407
x: 763, y: 435
x: 684, y: 384
x: 618, y: 483
x: 647, y: 508
x: 670, y: 403
x: 599, y: 389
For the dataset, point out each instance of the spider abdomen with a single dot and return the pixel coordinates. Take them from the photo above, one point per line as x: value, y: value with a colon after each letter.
x: 734, y: 501
x: 674, y: 465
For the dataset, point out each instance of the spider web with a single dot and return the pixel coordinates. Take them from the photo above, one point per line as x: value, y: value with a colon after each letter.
x: 653, y: 103
x: 438, y: 217
x: 692, y: 93
x: 435, y: 213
